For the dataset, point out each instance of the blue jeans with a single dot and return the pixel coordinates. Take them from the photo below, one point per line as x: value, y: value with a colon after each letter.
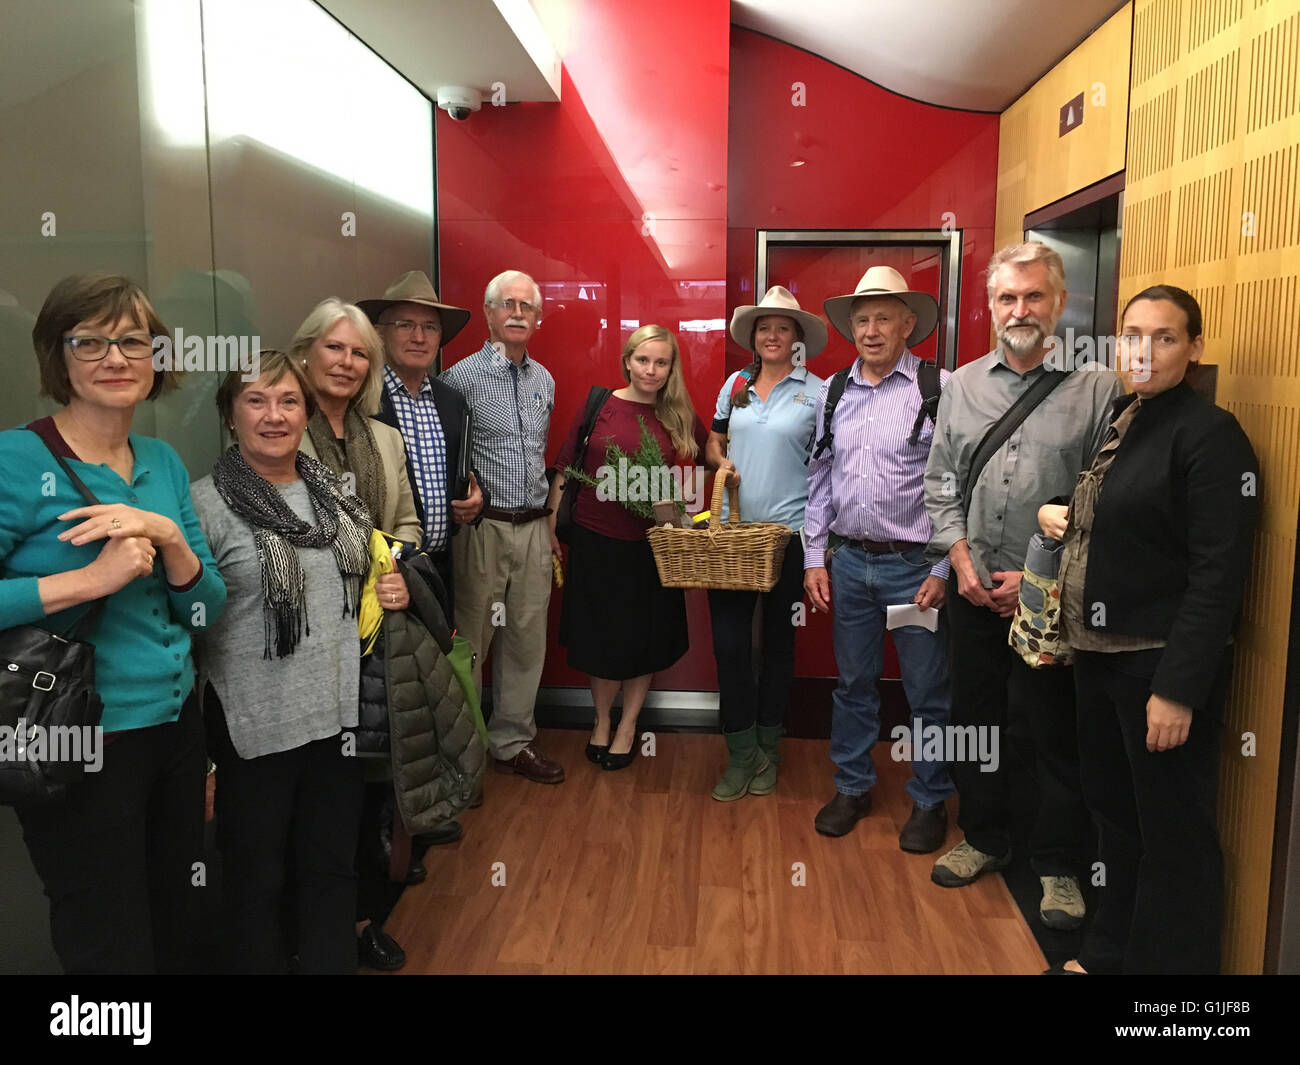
x: 862, y: 586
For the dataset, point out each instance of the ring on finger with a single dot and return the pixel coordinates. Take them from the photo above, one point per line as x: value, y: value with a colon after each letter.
x: 116, y: 523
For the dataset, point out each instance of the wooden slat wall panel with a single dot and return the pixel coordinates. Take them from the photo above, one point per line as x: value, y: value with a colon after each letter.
x: 1274, y: 87
x: 1153, y: 135
x: 1157, y: 24
x: 1229, y: 68
x: 1211, y: 107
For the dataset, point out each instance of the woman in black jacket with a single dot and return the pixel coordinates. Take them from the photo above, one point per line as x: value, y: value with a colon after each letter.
x: 1157, y: 548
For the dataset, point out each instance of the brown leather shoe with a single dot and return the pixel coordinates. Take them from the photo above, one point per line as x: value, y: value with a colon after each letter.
x: 925, y: 830
x: 532, y: 765
x: 839, y: 815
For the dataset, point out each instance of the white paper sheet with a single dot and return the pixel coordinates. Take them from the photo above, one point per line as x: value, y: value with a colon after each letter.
x: 910, y: 614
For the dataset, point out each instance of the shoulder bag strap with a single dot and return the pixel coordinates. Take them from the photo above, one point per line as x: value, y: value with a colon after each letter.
x: 1001, y: 430
x: 90, y: 618
x: 595, y: 400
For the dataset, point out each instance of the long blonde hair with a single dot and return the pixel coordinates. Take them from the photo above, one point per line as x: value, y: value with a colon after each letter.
x: 673, y: 406
x: 323, y: 317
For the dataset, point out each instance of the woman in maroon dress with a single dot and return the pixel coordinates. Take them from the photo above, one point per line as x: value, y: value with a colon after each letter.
x: 618, y: 623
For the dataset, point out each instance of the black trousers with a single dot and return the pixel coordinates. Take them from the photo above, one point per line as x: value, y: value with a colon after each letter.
x: 1033, y: 709
x: 308, y: 798
x: 116, y: 854
x: 743, y: 700
x: 376, y: 893
x: 1160, y: 909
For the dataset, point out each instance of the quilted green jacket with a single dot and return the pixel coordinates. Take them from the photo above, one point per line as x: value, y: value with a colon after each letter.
x: 437, y: 755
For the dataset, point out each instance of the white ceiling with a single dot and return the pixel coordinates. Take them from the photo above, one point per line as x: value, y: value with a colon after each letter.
x: 458, y: 42
x: 976, y: 54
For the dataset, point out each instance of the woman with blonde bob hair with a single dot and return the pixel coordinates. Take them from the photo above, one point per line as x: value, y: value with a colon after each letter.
x: 343, y: 359
x: 619, y: 624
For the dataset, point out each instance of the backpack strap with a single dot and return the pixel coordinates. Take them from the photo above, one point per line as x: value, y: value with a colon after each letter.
x: 739, y: 385
x: 833, y: 394
x: 930, y: 385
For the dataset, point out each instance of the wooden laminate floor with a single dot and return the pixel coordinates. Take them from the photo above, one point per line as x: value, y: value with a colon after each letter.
x: 640, y: 871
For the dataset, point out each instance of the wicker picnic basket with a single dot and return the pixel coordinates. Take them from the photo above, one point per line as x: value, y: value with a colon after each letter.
x: 735, y: 556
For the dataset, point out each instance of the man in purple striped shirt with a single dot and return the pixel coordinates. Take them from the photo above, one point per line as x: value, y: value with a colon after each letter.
x: 866, y: 507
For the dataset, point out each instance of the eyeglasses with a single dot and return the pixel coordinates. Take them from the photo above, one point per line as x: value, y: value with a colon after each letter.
x: 522, y: 306
x: 405, y: 327
x: 94, y: 348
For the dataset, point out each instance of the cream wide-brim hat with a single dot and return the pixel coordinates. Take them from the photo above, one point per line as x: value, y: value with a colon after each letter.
x: 885, y: 281
x: 778, y: 301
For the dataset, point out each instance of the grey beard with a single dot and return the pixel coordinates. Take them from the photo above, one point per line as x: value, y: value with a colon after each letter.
x: 1014, y: 344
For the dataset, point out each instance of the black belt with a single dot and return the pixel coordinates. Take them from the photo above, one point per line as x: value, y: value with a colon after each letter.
x: 516, y: 517
x: 876, y: 547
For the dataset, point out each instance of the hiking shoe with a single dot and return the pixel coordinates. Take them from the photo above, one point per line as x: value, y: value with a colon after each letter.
x: 924, y: 831
x: 1062, y: 907
x: 964, y: 865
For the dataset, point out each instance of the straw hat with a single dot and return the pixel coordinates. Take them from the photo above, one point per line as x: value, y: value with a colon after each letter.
x: 885, y: 281
x: 779, y: 301
x: 415, y: 287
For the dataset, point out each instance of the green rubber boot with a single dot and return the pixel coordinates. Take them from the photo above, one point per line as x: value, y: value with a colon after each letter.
x: 769, y: 745
x: 746, y: 761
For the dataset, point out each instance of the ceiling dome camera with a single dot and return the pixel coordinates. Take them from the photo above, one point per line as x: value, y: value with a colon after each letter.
x: 459, y: 101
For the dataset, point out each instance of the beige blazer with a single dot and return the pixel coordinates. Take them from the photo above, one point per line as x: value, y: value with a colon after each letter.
x: 399, y: 518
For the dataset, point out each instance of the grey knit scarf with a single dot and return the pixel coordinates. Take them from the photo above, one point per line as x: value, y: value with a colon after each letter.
x: 341, y: 523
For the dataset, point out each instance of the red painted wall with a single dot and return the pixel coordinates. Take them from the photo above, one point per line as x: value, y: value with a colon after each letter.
x: 614, y: 200
x: 853, y: 156
x: 637, y: 197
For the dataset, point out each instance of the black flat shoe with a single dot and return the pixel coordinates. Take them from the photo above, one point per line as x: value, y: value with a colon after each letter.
x: 376, y: 949
x: 596, y: 753
x: 619, y: 761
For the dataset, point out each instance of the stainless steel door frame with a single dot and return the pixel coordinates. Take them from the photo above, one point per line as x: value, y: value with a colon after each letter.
x: 947, y: 243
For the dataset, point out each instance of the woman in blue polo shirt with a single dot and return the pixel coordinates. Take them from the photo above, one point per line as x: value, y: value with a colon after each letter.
x: 763, y: 432
x: 115, y: 853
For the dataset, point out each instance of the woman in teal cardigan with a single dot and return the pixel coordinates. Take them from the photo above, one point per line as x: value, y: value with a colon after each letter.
x: 116, y: 853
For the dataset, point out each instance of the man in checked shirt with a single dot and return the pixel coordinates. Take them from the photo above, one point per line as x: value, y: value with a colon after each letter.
x: 503, y: 567
x: 414, y: 324
x: 866, y: 508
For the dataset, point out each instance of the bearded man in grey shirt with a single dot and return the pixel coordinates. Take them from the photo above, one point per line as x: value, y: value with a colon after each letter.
x: 986, y: 544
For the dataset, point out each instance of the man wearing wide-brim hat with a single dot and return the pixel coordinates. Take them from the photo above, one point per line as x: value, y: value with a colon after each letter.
x: 414, y: 324
x: 866, y: 509
x: 761, y: 435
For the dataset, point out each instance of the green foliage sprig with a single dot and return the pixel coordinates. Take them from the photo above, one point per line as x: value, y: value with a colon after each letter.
x: 650, y: 457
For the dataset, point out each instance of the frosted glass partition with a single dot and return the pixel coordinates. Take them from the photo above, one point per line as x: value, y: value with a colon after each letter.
x: 321, y: 159
x: 70, y: 186
x: 242, y: 159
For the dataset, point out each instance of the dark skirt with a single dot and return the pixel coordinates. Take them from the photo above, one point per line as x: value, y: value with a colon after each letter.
x: 617, y: 621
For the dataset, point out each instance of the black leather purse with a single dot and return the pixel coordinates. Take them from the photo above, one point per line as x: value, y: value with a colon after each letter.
x: 47, y: 687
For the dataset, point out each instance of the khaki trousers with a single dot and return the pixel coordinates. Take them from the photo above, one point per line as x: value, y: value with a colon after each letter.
x: 503, y: 587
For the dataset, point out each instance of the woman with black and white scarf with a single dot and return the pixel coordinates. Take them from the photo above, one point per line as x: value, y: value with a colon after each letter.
x: 281, y: 671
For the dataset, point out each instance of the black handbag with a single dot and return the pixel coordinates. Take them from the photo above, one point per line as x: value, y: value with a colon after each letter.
x: 569, y: 493
x: 47, y: 689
